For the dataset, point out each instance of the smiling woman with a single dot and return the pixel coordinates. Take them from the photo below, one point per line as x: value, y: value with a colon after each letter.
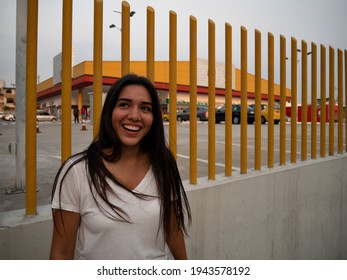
x: 132, y: 116
x: 123, y: 196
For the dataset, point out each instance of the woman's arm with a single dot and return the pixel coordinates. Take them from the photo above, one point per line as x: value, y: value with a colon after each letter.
x: 175, y: 240
x: 65, y: 229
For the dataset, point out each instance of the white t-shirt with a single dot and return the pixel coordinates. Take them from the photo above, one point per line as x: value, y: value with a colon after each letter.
x: 99, y: 236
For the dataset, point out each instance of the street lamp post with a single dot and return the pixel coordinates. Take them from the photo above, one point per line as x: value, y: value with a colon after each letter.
x: 132, y: 13
x: 298, y: 50
x: 300, y: 75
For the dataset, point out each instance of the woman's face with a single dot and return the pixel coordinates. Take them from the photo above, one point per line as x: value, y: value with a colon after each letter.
x: 132, y: 116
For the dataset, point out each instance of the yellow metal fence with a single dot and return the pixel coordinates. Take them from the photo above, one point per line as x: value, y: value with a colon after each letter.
x: 125, y: 62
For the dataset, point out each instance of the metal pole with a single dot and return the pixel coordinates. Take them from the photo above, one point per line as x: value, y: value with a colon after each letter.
x: 193, y: 100
x: 257, y: 148
x: 294, y: 102
x: 150, y: 44
x: 322, y: 100
x: 282, y: 100
x: 340, y: 102
x: 30, y: 139
x: 271, y: 74
x: 304, y: 101
x: 228, y: 99
x: 346, y: 99
x: 173, y: 83
x: 97, y: 66
x: 314, y: 101
x: 66, y: 81
x: 331, y: 99
x: 244, y: 73
x: 125, y: 38
x: 211, y: 100
x: 21, y: 43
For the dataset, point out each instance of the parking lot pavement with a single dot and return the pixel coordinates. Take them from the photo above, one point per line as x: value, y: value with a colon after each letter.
x: 49, y: 155
x: 12, y: 198
x: 48, y: 161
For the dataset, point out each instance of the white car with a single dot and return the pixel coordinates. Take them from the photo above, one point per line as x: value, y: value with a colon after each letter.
x: 42, y: 116
x: 10, y: 117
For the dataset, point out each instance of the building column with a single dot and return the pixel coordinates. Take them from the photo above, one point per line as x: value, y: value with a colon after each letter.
x: 80, y: 102
x: 91, y: 106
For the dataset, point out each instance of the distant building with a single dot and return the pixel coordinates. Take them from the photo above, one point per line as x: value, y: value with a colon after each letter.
x: 7, y: 97
x: 49, y: 92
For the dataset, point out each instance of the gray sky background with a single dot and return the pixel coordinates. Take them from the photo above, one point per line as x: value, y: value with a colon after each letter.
x: 320, y: 21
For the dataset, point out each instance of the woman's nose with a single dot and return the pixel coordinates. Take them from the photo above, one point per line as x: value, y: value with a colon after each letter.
x: 134, y: 114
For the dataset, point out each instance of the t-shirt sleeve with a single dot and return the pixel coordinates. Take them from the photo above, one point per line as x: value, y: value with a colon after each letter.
x: 67, y: 194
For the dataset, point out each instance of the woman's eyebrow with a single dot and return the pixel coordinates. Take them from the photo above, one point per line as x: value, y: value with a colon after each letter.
x: 130, y: 100
x: 147, y: 102
x: 123, y: 99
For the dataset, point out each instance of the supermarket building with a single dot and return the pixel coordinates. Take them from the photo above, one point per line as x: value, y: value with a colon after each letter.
x: 49, y: 91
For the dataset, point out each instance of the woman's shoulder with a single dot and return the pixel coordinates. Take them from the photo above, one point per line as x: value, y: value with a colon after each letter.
x: 76, y: 158
x: 75, y: 161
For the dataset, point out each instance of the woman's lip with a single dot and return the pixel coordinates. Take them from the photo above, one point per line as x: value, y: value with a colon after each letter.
x: 130, y: 127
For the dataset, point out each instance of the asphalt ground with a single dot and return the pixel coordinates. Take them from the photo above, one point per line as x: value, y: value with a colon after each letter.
x: 48, y: 161
x: 49, y: 154
x: 49, y: 158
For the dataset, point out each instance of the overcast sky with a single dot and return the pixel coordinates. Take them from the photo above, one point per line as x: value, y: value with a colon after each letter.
x: 319, y: 21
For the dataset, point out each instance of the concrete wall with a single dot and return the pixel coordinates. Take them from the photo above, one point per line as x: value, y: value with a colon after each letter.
x: 291, y: 212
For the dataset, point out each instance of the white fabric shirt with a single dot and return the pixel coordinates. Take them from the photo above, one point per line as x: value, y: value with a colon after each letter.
x: 99, y: 236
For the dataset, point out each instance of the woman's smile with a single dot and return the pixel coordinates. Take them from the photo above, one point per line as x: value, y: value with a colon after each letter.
x: 132, y: 128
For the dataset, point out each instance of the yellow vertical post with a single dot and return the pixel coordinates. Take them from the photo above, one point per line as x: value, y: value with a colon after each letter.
x: 228, y: 99
x: 304, y: 100
x: 66, y: 81
x: 257, y: 156
x: 172, y: 83
x: 244, y: 73
x: 314, y: 101
x: 30, y: 129
x: 271, y: 134
x: 322, y: 100
x: 283, y: 93
x: 150, y: 44
x: 331, y: 99
x: 294, y: 102
x: 97, y: 66
x: 340, y: 102
x: 125, y: 38
x: 211, y: 100
x: 193, y: 101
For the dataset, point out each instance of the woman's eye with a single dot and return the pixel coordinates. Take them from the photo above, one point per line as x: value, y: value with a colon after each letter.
x: 147, y: 108
x: 123, y: 105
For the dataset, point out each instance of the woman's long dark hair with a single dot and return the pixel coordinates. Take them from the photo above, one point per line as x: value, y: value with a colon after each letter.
x: 164, y: 166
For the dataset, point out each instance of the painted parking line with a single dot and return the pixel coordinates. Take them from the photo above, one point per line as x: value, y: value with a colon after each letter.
x: 206, y: 162
x: 8, y: 123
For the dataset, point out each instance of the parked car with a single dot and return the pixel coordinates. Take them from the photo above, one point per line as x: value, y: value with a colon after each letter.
x: 44, y: 116
x: 265, y: 113
x: 10, y: 116
x: 236, y: 114
x: 202, y: 114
